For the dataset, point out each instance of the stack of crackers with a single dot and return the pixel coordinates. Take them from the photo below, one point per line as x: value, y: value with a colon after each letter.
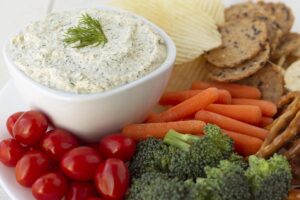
x: 254, y: 38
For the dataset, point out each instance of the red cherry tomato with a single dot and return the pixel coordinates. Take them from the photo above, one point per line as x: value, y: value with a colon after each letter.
x: 117, y: 146
x: 80, y: 190
x: 112, y: 179
x: 94, y: 198
x: 30, y: 127
x: 11, y: 121
x: 51, y: 186
x: 57, y: 142
x: 30, y: 167
x: 11, y: 152
x: 81, y: 163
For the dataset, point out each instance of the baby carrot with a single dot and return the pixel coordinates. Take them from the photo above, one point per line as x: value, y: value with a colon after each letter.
x: 266, y: 121
x: 236, y: 90
x: 158, y: 130
x: 245, y: 113
x: 173, y: 98
x: 268, y: 108
x: 231, y: 124
x: 244, y: 144
x: 188, y: 107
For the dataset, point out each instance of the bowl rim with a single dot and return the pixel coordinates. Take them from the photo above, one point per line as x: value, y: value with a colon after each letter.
x: 60, y: 94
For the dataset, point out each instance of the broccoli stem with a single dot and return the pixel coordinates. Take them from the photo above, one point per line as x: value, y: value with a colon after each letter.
x: 182, y: 141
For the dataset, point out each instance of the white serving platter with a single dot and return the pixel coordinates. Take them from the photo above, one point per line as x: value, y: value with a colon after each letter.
x: 11, y: 102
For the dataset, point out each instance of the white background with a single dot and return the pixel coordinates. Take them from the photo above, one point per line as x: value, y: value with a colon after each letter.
x: 15, y: 14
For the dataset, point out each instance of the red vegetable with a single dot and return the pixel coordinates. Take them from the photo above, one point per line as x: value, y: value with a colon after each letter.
x: 30, y: 127
x: 94, y: 198
x: 30, y: 167
x: 57, y: 142
x: 11, y: 152
x: 80, y: 190
x: 51, y: 186
x: 10, y: 123
x: 81, y: 163
x: 117, y: 146
x: 112, y: 179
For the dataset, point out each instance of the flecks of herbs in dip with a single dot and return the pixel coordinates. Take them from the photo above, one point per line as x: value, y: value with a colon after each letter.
x: 133, y: 49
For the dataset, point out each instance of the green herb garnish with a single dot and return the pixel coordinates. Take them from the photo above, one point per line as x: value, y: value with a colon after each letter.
x: 88, y: 32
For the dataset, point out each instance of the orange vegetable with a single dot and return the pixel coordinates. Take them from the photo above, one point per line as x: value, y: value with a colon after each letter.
x: 245, y: 113
x: 159, y: 130
x: 294, y: 194
x: 268, y: 108
x: 244, y: 144
x: 231, y: 124
x: 266, y: 121
x: 188, y: 107
x: 173, y: 98
x: 236, y: 90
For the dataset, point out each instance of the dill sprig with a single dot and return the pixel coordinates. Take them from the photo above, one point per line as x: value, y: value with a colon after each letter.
x: 88, y: 32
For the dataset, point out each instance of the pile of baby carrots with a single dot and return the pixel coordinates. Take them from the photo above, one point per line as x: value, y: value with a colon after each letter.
x: 237, y: 109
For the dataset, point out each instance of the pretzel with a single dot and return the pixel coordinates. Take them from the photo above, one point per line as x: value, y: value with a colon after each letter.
x: 293, y: 151
x: 289, y: 133
x: 283, y: 120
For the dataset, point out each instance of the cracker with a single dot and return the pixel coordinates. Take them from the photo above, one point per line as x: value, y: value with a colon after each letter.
x: 282, y: 13
x: 289, y: 43
x: 269, y: 80
x: 256, y: 12
x: 241, y: 41
x: 292, y: 77
x: 243, y: 70
x: 239, y: 11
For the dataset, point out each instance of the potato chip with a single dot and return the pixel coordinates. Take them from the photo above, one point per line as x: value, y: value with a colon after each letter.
x: 291, y: 77
x: 192, y: 30
x: 213, y: 8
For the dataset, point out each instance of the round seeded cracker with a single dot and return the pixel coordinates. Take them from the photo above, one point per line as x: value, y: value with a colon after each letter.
x: 254, y: 11
x: 282, y: 13
x: 269, y: 80
x: 288, y: 44
x: 241, y: 41
x: 243, y: 70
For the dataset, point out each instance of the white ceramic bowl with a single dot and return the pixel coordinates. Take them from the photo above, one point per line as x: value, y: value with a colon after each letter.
x: 90, y: 116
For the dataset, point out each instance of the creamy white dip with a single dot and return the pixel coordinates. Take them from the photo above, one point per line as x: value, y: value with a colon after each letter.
x: 133, y: 50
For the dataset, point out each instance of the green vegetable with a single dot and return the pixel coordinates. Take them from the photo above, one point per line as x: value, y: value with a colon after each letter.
x: 270, y: 179
x: 88, y: 32
x: 227, y: 181
x: 152, y: 155
x: 197, y: 152
x: 152, y: 186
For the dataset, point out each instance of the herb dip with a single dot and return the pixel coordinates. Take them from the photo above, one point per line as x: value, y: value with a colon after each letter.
x: 133, y: 50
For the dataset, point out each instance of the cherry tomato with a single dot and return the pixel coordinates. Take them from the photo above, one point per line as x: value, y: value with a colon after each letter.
x: 51, y: 186
x: 117, y: 146
x: 81, y: 163
x: 30, y: 127
x: 30, y: 167
x: 57, y: 142
x: 112, y: 179
x: 94, y: 198
x: 11, y: 152
x: 81, y: 190
x: 11, y: 121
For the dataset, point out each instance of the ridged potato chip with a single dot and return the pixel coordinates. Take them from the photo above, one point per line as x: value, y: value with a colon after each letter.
x: 291, y: 77
x: 192, y: 29
x: 213, y: 8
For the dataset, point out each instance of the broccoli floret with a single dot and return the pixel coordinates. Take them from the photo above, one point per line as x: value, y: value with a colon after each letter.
x: 152, y: 155
x: 270, y: 179
x: 236, y: 158
x: 197, y: 152
x: 154, y: 186
x: 227, y: 181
